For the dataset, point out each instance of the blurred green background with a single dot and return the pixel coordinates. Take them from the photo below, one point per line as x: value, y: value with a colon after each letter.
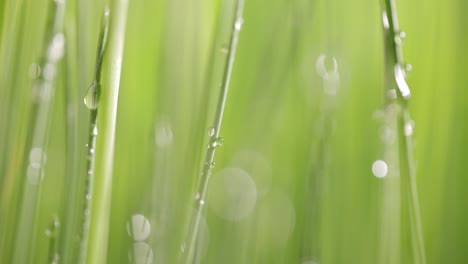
x: 298, y: 159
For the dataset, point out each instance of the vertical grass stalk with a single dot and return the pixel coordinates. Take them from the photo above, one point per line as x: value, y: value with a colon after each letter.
x: 399, y: 92
x: 189, y: 251
x: 41, y: 111
x: 70, y: 208
x: 104, y: 152
x: 91, y: 101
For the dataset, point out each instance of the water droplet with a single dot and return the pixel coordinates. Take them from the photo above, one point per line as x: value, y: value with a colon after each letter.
x: 217, y: 142
x: 408, y: 67
x: 48, y: 232
x: 202, y: 202
x: 211, y: 131
x: 197, y: 196
x: 401, y: 81
x: 95, y: 131
x: 379, y: 168
x: 210, y: 164
x: 399, y: 37
x: 139, y: 227
x: 409, y: 128
x: 402, y: 35
x: 385, y: 22
x: 91, y: 150
x: 239, y: 23
x: 163, y: 134
x: 88, y: 196
x: 234, y: 194
x: 91, y: 99
x: 55, y: 51
x: 142, y: 254
x: 321, y: 67
x: 37, y: 157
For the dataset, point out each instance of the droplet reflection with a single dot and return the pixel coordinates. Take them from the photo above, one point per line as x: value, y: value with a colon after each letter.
x: 139, y: 227
x: 257, y: 166
x: 233, y: 194
x: 142, y: 254
x: 379, y: 168
x: 163, y: 134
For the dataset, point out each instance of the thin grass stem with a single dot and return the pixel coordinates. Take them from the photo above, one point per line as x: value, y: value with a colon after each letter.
x: 399, y: 93
x: 106, y: 120
x: 91, y: 101
x: 73, y: 184
x: 37, y: 141
x: 189, y: 254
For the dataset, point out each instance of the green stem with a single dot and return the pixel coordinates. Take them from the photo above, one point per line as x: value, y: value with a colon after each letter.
x: 41, y: 111
x: 395, y: 81
x: 215, y: 140
x: 73, y: 186
x: 104, y: 151
x: 91, y: 100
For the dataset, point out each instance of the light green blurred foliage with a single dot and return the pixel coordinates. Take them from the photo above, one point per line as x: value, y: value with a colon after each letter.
x: 172, y: 66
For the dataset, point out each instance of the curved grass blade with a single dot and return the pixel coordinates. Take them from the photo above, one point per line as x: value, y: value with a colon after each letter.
x: 399, y: 93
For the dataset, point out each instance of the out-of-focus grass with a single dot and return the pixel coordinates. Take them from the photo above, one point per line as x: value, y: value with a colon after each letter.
x: 269, y: 128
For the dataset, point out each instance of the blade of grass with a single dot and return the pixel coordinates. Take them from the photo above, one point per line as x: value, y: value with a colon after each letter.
x: 104, y: 153
x: 396, y: 81
x: 73, y: 184
x: 9, y: 45
x: 91, y: 100
x: 215, y: 141
x: 9, y: 183
x: 43, y: 99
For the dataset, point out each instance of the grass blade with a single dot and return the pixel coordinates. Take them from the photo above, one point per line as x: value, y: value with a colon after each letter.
x: 215, y: 141
x: 43, y: 99
x: 398, y: 89
x: 104, y: 152
x: 91, y: 100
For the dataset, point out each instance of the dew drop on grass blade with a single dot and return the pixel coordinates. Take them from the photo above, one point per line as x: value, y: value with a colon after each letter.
x: 189, y: 253
x: 395, y: 81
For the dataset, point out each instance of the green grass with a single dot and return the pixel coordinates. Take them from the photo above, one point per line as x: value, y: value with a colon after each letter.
x: 297, y: 157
